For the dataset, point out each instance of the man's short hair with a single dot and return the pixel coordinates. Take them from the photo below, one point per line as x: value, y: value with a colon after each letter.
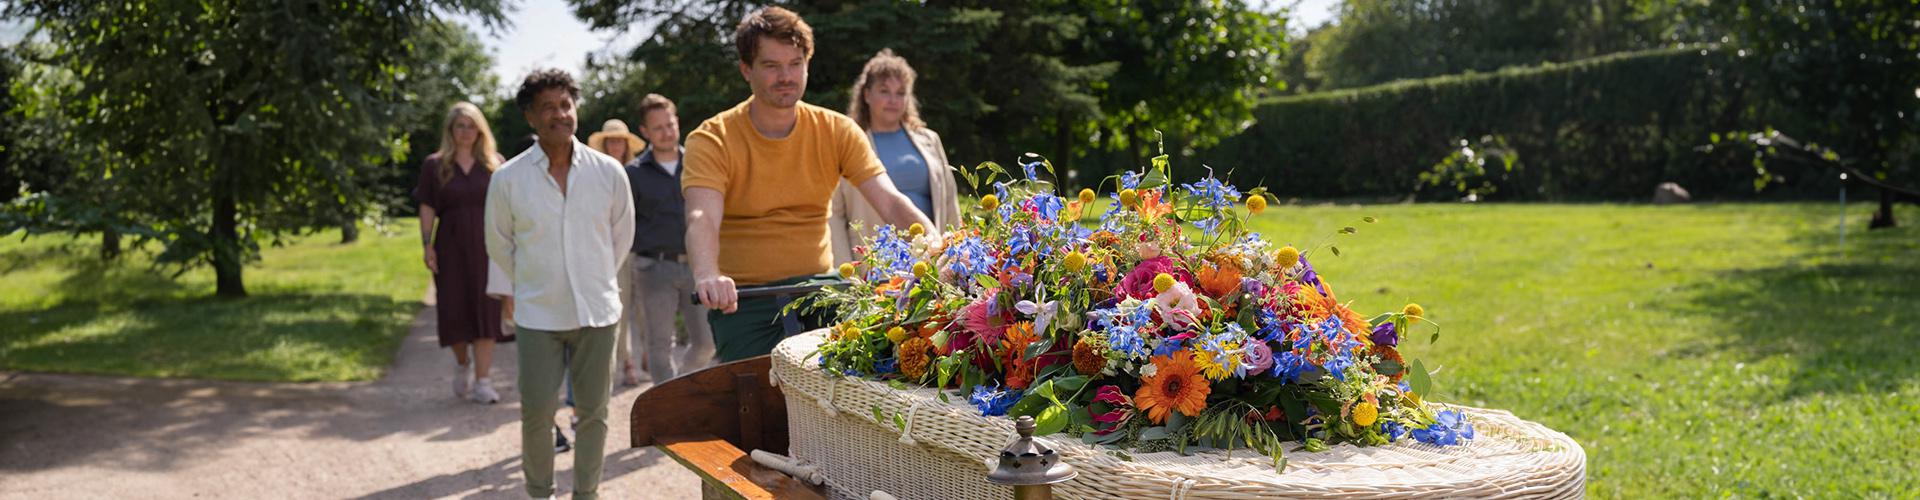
x: 541, y: 81
x: 653, y: 102
x: 771, y: 22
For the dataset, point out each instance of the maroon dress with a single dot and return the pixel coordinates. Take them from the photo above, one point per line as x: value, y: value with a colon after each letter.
x: 466, y: 313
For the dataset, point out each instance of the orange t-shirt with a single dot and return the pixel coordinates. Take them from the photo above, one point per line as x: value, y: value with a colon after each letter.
x: 777, y: 191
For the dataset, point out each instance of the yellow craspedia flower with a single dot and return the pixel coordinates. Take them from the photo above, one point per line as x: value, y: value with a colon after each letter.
x: 1075, y: 261
x: 897, y: 334
x: 1287, y: 256
x: 846, y: 270
x: 1129, y: 198
x: 1365, y: 414
x: 915, y: 230
x: 1162, y: 282
x: 1256, y: 204
x: 989, y: 203
x: 921, y: 269
x: 1086, y: 196
x: 1414, y: 311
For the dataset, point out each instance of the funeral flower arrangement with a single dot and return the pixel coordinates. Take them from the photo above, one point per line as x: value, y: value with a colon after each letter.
x: 1165, y: 325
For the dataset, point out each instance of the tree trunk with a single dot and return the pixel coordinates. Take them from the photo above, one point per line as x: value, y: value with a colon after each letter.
x: 1883, y: 218
x: 349, y: 231
x: 226, y: 241
x: 109, y: 245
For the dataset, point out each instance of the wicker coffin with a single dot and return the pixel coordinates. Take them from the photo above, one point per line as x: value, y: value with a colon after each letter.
x: 946, y: 450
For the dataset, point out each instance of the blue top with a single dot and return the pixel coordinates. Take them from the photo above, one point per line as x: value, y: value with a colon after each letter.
x: 906, y: 167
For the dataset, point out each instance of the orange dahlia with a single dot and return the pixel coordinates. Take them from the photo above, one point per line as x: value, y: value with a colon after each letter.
x: 1176, y: 385
x: 913, y: 357
x: 1087, y: 359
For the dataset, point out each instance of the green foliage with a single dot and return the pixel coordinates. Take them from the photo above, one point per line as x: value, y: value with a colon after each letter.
x: 218, y: 125
x: 1846, y: 72
x: 1377, y: 41
x: 1605, y: 128
x: 997, y: 79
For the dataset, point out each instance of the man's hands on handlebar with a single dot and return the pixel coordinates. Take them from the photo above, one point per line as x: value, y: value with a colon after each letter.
x: 718, y: 292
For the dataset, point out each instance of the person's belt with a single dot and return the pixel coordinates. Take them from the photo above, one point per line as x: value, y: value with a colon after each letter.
x: 663, y: 256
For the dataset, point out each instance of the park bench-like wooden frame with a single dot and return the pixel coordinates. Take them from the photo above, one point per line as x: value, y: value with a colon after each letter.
x: 708, y: 421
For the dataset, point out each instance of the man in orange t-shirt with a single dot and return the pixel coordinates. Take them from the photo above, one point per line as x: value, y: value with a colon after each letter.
x: 758, y: 181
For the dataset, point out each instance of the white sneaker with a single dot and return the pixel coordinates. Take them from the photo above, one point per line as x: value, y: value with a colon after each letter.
x: 483, y: 392
x: 462, y: 378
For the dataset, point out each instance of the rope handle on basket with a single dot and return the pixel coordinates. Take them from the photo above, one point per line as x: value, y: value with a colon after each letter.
x: 827, y: 402
x: 773, y: 377
x: 1181, y: 489
x: 906, y: 433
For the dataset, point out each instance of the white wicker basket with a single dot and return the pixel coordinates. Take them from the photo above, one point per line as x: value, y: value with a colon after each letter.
x: 947, y: 449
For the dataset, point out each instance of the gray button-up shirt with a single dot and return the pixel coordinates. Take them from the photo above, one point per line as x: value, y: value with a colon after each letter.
x: 561, y: 252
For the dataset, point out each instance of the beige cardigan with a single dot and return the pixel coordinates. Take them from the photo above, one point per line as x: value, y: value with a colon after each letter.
x: 850, y: 208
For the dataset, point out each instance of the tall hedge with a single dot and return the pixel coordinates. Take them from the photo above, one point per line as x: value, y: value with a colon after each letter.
x: 1608, y: 128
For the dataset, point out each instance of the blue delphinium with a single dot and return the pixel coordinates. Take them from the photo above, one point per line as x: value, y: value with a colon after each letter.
x: 1393, y: 430
x: 970, y: 256
x: 1448, y: 429
x: 993, y: 401
x: 886, y: 366
x: 1213, y: 193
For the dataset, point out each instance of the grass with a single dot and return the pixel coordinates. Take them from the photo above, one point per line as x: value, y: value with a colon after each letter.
x: 318, y: 310
x: 1730, y: 350
x: 1693, y: 351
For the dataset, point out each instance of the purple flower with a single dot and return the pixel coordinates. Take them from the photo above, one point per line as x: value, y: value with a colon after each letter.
x: 1386, y: 335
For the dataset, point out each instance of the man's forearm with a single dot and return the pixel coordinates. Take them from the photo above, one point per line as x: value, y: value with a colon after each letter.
x: 703, y: 232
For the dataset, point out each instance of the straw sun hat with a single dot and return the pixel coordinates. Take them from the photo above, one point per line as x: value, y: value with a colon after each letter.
x: 616, y: 130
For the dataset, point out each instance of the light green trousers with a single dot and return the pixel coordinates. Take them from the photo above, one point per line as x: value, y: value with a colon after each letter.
x: 544, y: 359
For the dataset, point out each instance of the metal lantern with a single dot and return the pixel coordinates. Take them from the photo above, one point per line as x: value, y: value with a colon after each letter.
x: 1029, y: 467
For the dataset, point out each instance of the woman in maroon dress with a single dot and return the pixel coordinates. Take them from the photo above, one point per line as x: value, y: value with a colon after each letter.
x: 453, y: 192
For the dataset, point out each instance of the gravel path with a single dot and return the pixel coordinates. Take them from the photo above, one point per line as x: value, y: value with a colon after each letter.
x: 404, y: 436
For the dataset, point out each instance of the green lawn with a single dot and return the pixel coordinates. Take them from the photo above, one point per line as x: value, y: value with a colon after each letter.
x: 319, y: 310
x: 1695, y: 351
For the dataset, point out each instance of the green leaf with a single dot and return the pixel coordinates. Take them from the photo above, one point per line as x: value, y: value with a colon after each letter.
x: 1349, y: 230
x: 1069, y: 385
x: 1369, y: 219
x: 1051, y: 420
x: 1336, y: 250
x: 1037, y: 348
x: 877, y: 417
x: 1418, y: 379
x: 1176, y: 420
x: 1152, y: 433
x: 986, y: 281
x: 1388, y: 368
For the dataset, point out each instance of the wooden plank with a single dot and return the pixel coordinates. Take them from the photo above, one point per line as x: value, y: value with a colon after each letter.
x: 711, y: 402
x: 726, y: 471
x: 748, y: 388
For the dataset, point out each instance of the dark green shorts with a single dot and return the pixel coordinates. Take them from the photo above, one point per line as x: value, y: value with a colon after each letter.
x: 756, y: 327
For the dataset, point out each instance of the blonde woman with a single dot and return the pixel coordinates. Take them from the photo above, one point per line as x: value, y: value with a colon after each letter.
x: 883, y: 104
x: 452, y: 192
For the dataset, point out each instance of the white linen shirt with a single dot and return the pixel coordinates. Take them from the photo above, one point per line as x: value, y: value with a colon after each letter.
x: 561, y: 252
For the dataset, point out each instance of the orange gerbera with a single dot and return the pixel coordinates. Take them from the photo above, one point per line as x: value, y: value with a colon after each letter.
x: 1020, y: 372
x: 1313, y: 306
x: 1176, y: 385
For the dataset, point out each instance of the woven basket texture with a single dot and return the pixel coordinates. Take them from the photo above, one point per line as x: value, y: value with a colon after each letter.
x: 943, y: 450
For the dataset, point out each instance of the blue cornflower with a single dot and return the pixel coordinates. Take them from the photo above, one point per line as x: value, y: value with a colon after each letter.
x: 1168, y: 346
x: 1127, y: 339
x: 992, y: 401
x: 1021, y: 241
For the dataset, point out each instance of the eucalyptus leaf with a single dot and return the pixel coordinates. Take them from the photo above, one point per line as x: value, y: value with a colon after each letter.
x: 1418, y: 379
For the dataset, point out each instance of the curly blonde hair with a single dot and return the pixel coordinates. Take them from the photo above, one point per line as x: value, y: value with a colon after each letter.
x: 880, y: 68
